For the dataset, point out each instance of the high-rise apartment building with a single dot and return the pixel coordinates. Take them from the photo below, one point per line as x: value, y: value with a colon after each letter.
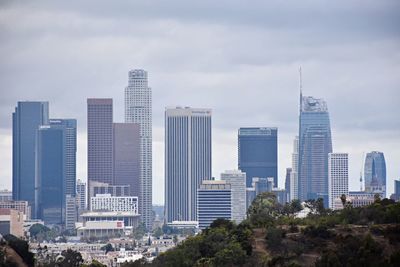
x: 375, y: 172
x: 258, y: 153
x: 187, y: 160
x: 338, y: 174
x: 55, y: 169
x: 126, y: 148
x: 287, y: 182
x: 214, y: 201
x: 100, y: 140
x: 237, y: 180
x: 71, y: 212
x: 138, y: 109
x: 27, y: 118
x: 294, y: 183
x: 314, y: 146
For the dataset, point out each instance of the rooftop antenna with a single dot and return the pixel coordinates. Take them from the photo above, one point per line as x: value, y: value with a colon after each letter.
x: 301, y: 87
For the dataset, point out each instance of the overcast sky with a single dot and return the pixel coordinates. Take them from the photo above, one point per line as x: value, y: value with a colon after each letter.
x: 239, y: 58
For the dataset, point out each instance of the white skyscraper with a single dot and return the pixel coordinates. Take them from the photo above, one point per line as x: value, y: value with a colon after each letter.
x: 187, y: 160
x: 81, y: 195
x: 294, y: 174
x: 138, y: 109
x: 237, y: 180
x: 338, y: 178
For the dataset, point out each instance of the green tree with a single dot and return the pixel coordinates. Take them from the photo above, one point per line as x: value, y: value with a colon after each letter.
x: 264, y: 210
x: 158, y: 232
x: 72, y: 258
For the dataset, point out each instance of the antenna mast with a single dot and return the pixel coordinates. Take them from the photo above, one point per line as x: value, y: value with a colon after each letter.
x: 301, y: 88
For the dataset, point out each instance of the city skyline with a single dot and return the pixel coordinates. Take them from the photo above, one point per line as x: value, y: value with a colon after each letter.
x: 246, y: 85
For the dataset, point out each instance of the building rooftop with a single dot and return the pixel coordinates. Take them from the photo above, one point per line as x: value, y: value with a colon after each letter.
x: 311, y: 104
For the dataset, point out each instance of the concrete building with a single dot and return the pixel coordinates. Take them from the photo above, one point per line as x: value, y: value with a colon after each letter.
x: 294, y: 181
x: 100, y: 140
x: 315, y: 144
x: 21, y: 206
x: 258, y: 153
x: 101, y: 229
x: 5, y: 195
x: 338, y: 174
x: 27, y: 118
x: 81, y: 195
x: 237, y: 180
x: 12, y: 222
x: 138, y: 109
x: 357, y: 199
x: 71, y: 212
x: 187, y: 160
x: 105, y: 188
x: 129, y: 218
x: 214, y: 201
x: 126, y: 149
x: 106, y: 202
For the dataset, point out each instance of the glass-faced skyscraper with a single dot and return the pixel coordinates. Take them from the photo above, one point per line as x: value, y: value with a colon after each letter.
x: 187, y: 160
x: 315, y: 144
x: 258, y: 153
x: 138, y: 109
x: 375, y: 172
x: 27, y: 118
x: 55, y: 169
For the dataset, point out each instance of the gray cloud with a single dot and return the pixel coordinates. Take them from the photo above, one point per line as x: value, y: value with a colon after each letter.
x: 237, y: 58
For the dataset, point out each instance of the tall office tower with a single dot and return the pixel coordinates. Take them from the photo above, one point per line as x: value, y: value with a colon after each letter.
x: 27, y: 118
x: 237, y: 180
x: 287, y: 182
x: 187, y: 160
x: 338, y: 174
x: 214, y: 201
x: 138, y: 109
x: 294, y: 182
x: 81, y: 195
x: 71, y: 212
x: 396, y: 195
x: 69, y: 126
x: 258, y: 153
x: 100, y: 140
x: 126, y: 147
x: 314, y: 146
x: 375, y: 172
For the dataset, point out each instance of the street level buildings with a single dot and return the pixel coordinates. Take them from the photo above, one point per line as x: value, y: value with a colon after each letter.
x: 187, y: 160
x: 138, y: 109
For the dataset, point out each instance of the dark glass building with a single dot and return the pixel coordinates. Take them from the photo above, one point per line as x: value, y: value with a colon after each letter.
x: 27, y: 118
x: 315, y: 144
x: 375, y: 172
x: 55, y: 169
x: 258, y: 153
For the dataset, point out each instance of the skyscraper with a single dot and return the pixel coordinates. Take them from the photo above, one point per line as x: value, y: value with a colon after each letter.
x: 375, y: 172
x: 214, y: 201
x: 100, y: 142
x: 294, y: 182
x: 258, y: 153
x: 187, y: 160
x: 338, y: 174
x: 314, y: 146
x: 27, y: 118
x: 81, y: 195
x: 237, y: 180
x: 127, y: 156
x: 138, y: 109
x: 287, y: 182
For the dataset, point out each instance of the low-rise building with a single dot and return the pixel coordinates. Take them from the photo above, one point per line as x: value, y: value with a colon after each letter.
x: 12, y: 222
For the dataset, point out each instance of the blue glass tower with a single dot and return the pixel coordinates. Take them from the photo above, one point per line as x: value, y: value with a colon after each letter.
x: 258, y: 153
x: 27, y: 118
x: 315, y: 144
x: 55, y: 169
x: 375, y: 172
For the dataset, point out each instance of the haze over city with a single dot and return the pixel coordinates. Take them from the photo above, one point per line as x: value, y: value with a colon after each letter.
x: 240, y: 60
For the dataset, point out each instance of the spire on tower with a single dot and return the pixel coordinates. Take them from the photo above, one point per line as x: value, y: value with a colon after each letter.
x: 301, y: 88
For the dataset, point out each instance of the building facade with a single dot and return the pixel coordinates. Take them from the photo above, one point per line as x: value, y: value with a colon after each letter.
x: 104, y: 188
x: 19, y: 205
x: 5, y: 195
x: 106, y: 202
x: 71, y: 212
x: 81, y: 195
x: 338, y: 174
x: 375, y: 172
x: 314, y: 146
x: 138, y: 109
x: 214, y: 201
x: 237, y: 180
x: 126, y: 148
x: 27, y: 118
x: 258, y: 153
x: 187, y: 160
x: 294, y: 181
x: 100, y: 140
